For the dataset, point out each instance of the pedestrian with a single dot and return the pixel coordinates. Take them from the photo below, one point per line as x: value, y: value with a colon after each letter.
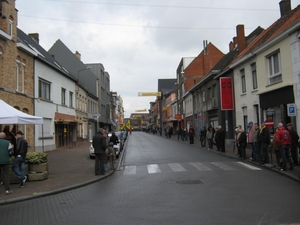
x: 18, y: 166
x: 237, y: 136
x: 251, y: 131
x: 294, y: 143
x: 5, y: 146
x: 203, y: 137
x: 214, y: 138
x: 113, y: 138
x: 111, y: 155
x: 178, y: 131
x: 191, y: 134
x: 242, y: 143
x: 255, y: 142
x: 220, y: 139
x: 10, y: 136
x: 283, y: 140
x: 170, y: 131
x: 100, y: 145
x: 275, y: 147
x: 264, y: 141
x: 183, y: 134
x: 209, y: 137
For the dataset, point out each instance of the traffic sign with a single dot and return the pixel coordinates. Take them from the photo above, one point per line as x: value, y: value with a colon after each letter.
x: 291, y: 108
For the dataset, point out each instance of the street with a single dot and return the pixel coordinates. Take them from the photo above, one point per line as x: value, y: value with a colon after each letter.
x: 163, y: 181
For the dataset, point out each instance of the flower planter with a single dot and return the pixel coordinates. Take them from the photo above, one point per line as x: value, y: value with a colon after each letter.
x: 32, y: 176
x: 38, y: 168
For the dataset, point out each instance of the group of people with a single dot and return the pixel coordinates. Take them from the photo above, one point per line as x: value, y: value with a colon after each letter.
x: 285, y: 144
x: 104, y: 151
x: 12, y: 144
x: 213, y: 136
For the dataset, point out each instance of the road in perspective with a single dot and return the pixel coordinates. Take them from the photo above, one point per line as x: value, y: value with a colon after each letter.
x: 163, y: 181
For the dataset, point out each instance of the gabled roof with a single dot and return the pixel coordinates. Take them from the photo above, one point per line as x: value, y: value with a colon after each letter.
x: 41, y: 53
x: 276, y: 28
x: 75, y: 66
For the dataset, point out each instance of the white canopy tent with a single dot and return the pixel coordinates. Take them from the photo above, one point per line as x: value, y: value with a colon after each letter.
x: 10, y: 115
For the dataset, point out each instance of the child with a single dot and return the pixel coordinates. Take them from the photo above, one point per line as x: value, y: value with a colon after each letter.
x: 111, y: 155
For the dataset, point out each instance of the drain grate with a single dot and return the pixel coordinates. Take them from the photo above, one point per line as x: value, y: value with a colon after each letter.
x: 189, y: 182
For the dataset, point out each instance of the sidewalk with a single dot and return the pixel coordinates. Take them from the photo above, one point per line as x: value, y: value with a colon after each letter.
x: 68, y: 168
x: 72, y: 168
x: 294, y: 174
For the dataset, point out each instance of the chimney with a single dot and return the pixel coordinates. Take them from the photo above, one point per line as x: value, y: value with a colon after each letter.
x: 241, y: 40
x: 231, y: 46
x: 35, y: 37
x: 285, y: 7
x: 78, y: 55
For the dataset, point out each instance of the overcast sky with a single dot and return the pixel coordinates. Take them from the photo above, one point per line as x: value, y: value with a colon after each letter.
x: 141, y: 41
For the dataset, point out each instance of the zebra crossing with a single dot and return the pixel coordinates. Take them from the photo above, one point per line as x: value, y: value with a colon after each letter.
x: 184, y: 167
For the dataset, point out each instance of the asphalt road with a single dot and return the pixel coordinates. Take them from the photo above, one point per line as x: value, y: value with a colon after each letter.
x: 167, y: 182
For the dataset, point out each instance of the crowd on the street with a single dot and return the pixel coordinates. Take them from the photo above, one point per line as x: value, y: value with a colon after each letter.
x: 285, y: 142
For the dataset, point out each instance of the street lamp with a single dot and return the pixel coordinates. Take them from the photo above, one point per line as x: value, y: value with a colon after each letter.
x: 86, y: 68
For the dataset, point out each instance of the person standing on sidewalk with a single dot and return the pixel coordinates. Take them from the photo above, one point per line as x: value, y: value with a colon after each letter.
x: 220, y: 139
x: 251, y: 131
x: 294, y: 143
x: 4, y: 162
x: 209, y: 137
x: 264, y: 141
x: 242, y: 142
x: 18, y: 166
x: 283, y: 140
x: 203, y: 137
x: 100, y: 145
x: 255, y: 142
x: 191, y: 134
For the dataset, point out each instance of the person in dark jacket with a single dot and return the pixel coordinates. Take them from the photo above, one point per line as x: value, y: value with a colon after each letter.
x: 220, y: 139
x: 113, y: 138
x: 100, y: 145
x: 242, y: 143
x: 4, y: 162
x: 264, y: 141
x: 18, y: 166
x: 191, y: 134
x: 203, y: 137
x: 294, y: 143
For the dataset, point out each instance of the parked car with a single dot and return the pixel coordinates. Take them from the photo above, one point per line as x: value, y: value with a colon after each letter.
x: 92, y: 150
x: 117, y: 147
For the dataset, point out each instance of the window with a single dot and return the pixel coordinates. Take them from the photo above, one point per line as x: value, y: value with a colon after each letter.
x: 63, y: 96
x: 213, y: 91
x: 10, y: 27
x: 243, y: 80
x: 17, y: 75
x: 71, y: 99
x: 254, y: 76
x: 274, y: 66
x: 203, y: 96
x: 44, y: 89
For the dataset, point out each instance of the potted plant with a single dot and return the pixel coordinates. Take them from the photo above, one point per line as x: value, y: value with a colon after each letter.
x: 37, y: 165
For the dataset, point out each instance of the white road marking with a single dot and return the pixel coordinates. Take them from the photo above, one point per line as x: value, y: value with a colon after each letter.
x: 249, y: 166
x: 153, y: 168
x: 222, y: 166
x: 176, y: 167
x: 199, y: 166
x: 129, y: 170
